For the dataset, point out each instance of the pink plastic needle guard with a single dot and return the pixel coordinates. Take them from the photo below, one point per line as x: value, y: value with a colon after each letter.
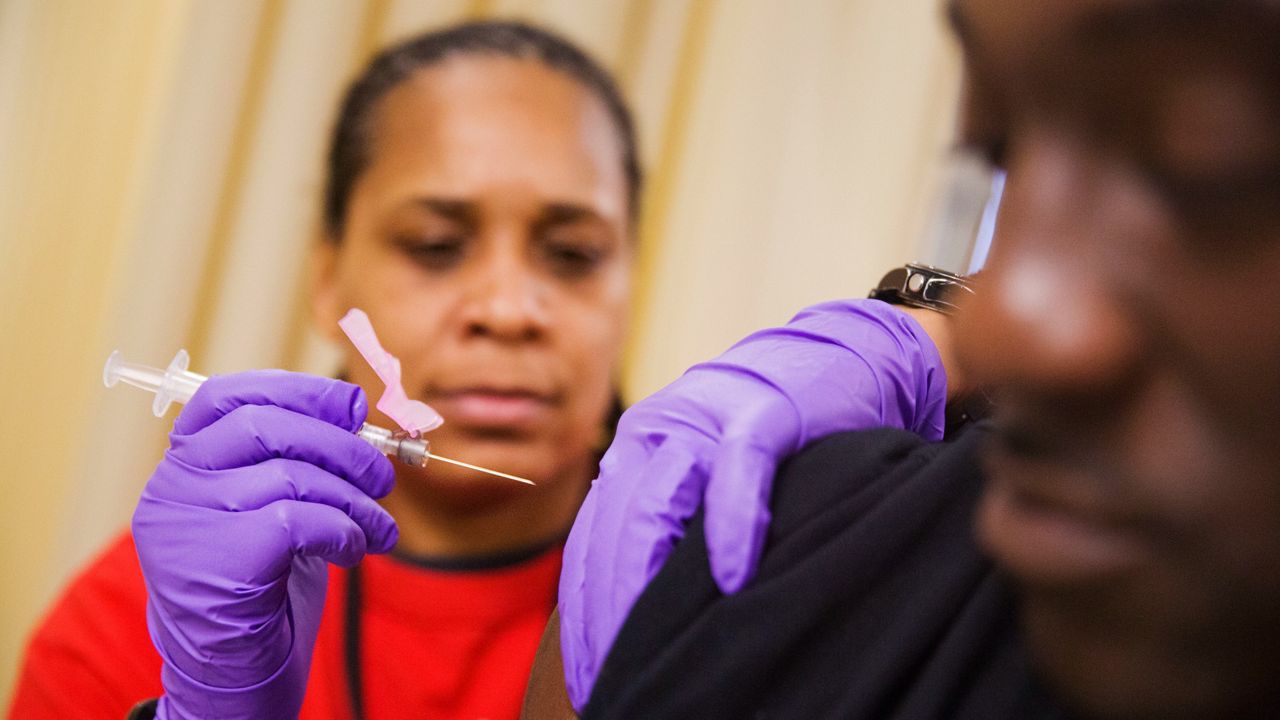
x: 414, y: 416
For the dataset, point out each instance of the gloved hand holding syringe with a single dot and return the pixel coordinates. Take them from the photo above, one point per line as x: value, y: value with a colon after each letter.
x: 269, y: 477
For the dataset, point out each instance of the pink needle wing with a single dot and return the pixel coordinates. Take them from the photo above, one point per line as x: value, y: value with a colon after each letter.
x: 414, y: 416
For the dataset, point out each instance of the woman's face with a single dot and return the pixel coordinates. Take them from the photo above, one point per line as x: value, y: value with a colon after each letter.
x: 488, y: 240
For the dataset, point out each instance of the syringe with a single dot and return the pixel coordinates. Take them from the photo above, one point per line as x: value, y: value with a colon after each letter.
x: 177, y: 384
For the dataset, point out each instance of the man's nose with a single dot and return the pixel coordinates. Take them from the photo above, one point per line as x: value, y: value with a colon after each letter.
x: 507, y: 300
x: 1045, y: 320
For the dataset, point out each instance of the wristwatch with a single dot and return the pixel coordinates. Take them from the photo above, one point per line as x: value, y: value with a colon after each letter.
x: 925, y: 286
x: 922, y: 286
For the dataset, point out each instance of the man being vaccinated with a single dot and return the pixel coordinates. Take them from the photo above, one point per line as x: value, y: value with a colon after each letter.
x: 1107, y: 544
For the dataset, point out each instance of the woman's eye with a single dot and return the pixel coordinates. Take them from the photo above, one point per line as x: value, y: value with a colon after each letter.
x: 435, y: 253
x: 571, y: 259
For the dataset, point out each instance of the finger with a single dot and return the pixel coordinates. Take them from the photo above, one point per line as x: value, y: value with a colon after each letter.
x: 253, y: 488
x: 315, y: 530
x: 739, y: 488
x: 652, y: 517
x: 577, y: 552
x: 592, y: 602
x: 589, y: 548
x: 253, y: 434
x: 641, y: 528
x: 574, y: 644
x: 332, y: 401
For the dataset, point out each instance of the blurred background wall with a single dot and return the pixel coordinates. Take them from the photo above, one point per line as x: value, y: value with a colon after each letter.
x: 160, y: 179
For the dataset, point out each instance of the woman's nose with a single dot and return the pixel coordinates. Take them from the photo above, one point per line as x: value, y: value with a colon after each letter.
x: 506, y: 299
x: 1045, y: 321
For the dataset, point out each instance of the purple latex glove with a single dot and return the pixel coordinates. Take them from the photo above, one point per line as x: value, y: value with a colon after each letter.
x: 262, y: 483
x: 715, y: 437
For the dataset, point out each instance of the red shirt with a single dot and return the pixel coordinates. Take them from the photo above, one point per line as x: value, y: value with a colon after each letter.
x: 434, y: 643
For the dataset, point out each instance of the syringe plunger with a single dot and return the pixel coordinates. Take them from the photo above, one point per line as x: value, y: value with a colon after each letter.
x: 174, y: 384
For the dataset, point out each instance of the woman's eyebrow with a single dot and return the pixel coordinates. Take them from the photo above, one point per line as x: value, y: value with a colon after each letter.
x: 559, y: 213
x: 462, y: 211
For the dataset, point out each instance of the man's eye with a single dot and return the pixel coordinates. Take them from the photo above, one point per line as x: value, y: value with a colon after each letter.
x: 434, y: 253
x: 1226, y: 215
x: 1223, y: 200
x: 991, y: 151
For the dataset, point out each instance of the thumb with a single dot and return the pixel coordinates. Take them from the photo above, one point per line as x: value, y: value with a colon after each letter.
x: 739, y: 487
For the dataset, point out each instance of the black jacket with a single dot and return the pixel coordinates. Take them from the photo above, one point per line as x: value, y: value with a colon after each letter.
x: 872, y: 602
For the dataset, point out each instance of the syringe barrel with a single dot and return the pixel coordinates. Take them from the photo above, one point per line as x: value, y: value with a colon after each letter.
x: 181, y: 387
x: 177, y: 384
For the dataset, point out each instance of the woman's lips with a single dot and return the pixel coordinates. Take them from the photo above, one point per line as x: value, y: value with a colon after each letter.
x: 490, y: 408
x: 1038, y: 525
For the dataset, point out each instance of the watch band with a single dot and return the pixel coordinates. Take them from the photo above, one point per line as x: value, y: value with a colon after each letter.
x: 922, y: 286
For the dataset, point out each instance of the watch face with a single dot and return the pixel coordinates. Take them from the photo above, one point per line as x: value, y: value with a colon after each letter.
x: 916, y: 282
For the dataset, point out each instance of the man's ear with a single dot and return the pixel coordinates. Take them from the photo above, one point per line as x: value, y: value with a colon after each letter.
x: 326, y: 299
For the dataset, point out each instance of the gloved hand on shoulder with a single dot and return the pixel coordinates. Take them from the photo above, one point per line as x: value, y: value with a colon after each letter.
x: 714, y: 438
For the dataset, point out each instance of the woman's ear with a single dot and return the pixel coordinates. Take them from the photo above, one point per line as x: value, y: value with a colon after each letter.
x: 326, y: 299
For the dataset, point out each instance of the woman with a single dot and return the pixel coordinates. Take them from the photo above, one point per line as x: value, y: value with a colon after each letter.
x: 482, y: 186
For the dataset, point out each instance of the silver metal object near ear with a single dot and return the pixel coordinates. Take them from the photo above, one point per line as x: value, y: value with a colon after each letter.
x: 923, y: 286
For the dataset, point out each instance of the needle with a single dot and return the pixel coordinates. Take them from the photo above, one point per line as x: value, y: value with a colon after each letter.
x: 477, y: 467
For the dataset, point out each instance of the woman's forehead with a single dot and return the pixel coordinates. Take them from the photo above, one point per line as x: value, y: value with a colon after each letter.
x: 458, y: 93
x: 473, y: 125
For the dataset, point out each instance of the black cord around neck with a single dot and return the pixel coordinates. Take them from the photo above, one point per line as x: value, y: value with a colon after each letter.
x: 351, y: 644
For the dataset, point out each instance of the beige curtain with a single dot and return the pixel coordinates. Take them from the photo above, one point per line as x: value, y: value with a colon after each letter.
x: 160, y: 175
